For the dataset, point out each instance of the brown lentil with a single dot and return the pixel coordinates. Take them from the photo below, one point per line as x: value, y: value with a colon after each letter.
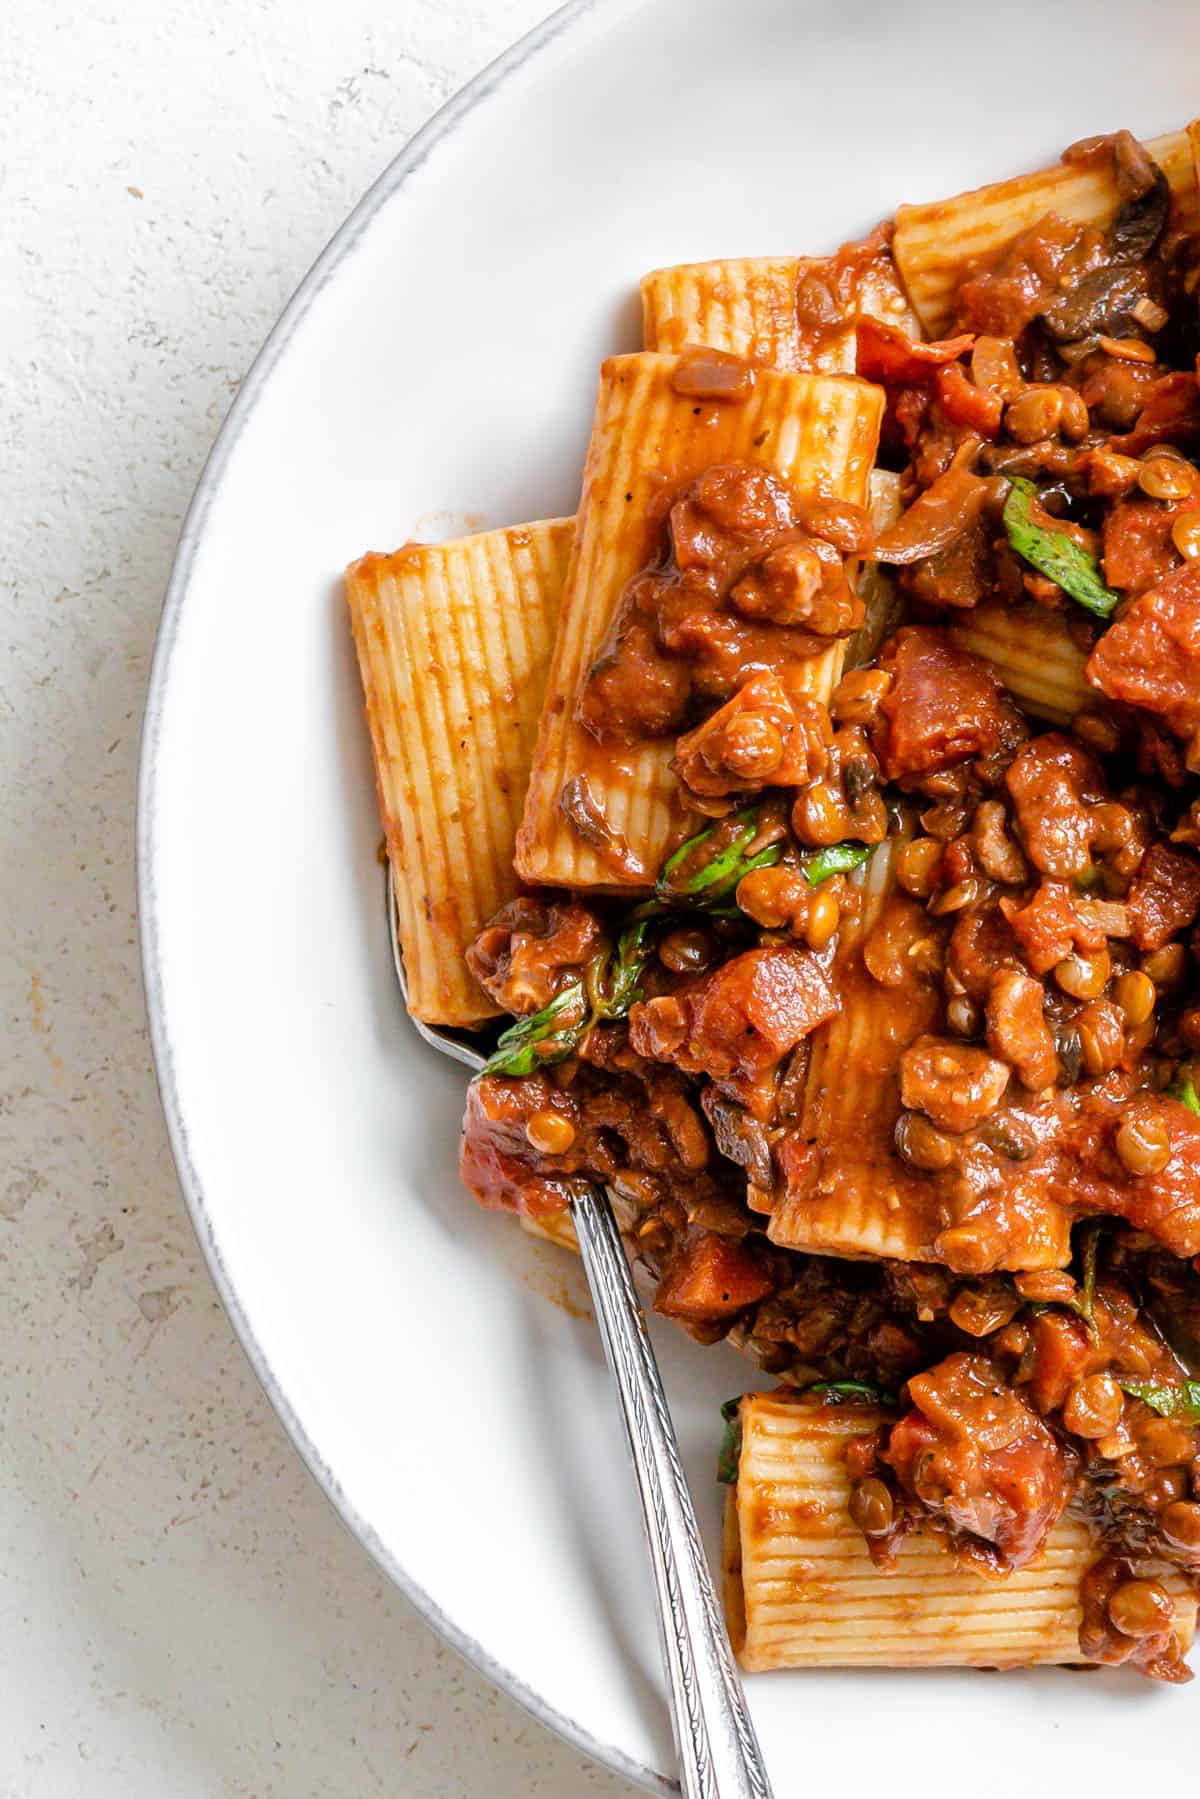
x: 1101, y: 1039
x: 1084, y: 976
x: 954, y: 899
x: 1166, y: 477
x: 775, y: 898
x: 916, y: 866
x: 858, y: 696
x: 921, y: 1144
x: 1034, y: 415
x: 1093, y: 1406
x: 1143, y: 1144
x: 1046, y: 1286
x: 1164, y: 1487
x: 752, y: 747
x: 824, y: 916
x: 1013, y: 1340
x: 969, y: 1248
x: 690, y: 951
x: 871, y: 1507
x: 1141, y: 1608
x: 550, y: 1133
x: 1128, y: 349
x: 981, y: 1310
x: 1165, y: 1442
x: 1075, y: 422
x: 1165, y: 966
x: 819, y: 816
x: 1135, y: 994
x: 1185, y: 535
x: 1181, y: 1523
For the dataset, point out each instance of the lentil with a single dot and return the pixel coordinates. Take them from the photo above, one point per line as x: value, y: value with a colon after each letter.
x: 1093, y: 1406
x: 1135, y: 995
x: 1166, y: 477
x: 1084, y: 976
x: 550, y: 1133
x: 917, y: 864
x: 871, y: 1507
x: 1143, y: 1144
x: 1141, y: 1608
x: 921, y: 1144
x: 1185, y: 535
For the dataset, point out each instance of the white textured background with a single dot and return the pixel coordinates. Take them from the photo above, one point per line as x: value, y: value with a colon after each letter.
x: 180, y: 1612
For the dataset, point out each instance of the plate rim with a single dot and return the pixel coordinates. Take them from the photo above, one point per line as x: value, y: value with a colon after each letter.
x: 488, y: 84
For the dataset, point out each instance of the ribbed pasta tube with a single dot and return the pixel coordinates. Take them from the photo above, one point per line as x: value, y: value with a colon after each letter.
x: 935, y: 244
x: 747, y: 306
x: 553, y: 1227
x: 861, y: 1199
x: 844, y: 1190
x: 819, y: 433
x: 453, y: 642
x: 802, y: 1591
x: 1032, y: 653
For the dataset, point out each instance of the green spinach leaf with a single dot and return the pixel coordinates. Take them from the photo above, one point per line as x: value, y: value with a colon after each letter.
x: 1055, y: 554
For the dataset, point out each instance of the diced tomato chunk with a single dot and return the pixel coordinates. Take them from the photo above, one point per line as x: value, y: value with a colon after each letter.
x: 1165, y: 895
x: 944, y: 706
x: 1151, y: 656
x: 890, y: 356
x: 742, y: 1018
x: 1061, y: 1353
x: 1138, y: 550
x: 494, y: 1159
x: 711, y: 1278
x: 962, y: 403
x: 1167, y: 1204
x: 1054, y: 784
x: 1171, y: 414
x: 973, y: 1453
x: 1045, y: 928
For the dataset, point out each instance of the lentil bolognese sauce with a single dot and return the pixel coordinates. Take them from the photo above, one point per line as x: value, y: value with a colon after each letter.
x: 965, y: 895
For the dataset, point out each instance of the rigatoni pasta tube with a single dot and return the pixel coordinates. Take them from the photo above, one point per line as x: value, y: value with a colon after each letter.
x: 453, y: 644
x: 553, y: 1227
x: 843, y: 1190
x: 802, y: 1591
x: 747, y: 306
x: 819, y: 433
x: 1032, y: 653
x: 936, y: 244
x: 861, y: 1200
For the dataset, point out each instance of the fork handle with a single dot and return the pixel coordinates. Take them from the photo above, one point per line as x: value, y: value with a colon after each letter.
x: 718, y: 1751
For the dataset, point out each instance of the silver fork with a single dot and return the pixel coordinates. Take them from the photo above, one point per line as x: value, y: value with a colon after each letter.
x: 719, y: 1756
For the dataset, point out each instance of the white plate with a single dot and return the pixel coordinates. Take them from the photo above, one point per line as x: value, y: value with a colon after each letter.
x: 435, y: 372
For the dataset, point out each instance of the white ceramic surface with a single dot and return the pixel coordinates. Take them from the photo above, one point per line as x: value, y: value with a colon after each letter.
x: 435, y: 372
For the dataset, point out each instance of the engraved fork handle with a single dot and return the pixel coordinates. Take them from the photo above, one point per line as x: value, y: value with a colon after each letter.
x: 719, y: 1756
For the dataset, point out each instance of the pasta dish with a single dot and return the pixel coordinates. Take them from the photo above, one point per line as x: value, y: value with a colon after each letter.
x: 810, y: 827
